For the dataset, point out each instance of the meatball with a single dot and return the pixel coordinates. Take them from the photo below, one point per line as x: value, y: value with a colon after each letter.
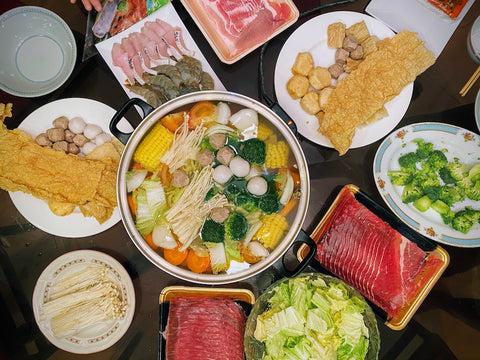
x: 60, y: 122
x: 224, y: 155
x: 357, y: 54
x: 335, y: 70
x: 80, y: 140
x: 55, y: 134
x: 205, y: 157
x: 43, y: 140
x: 60, y: 146
x: 219, y: 214
x: 217, y: 140
x: 179, y: 179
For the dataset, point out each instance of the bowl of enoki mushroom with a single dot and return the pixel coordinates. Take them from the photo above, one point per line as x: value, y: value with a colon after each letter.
x: 213, y: 187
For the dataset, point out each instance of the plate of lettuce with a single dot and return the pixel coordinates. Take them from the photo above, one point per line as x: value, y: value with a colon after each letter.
x: 311, y: 316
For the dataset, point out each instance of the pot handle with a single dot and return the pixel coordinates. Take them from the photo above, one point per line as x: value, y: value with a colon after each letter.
x: 120, y: 135
x: 302, y: 237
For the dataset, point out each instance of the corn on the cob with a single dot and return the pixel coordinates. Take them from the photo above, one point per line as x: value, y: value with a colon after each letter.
x: 276, y: 154
x: 153, y: 146
x: 263, y: 131
x: 273, y: 226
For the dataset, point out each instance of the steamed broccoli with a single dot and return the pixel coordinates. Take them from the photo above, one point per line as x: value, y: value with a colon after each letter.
x: 451, y: 194
x: 247, y: 201
x: 435, y: 161
x: 234, y: 187
x: 408, y: 161
x: 269, y: 203
x: 254, y: 151
x: 471, y: 177
x: 422, y: 204
x: 424, y: 149
x: 400, y: 177
x: 432, y: 191
x: 411, y: 192
x: 236, y: 226
x: 212, y: 232
x: 465, y: 219
x: 473, y: 192
x: 453, y: 171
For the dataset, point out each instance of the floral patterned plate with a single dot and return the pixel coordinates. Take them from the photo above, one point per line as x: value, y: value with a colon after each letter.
x: 101, y: 335
x: 460, y: 143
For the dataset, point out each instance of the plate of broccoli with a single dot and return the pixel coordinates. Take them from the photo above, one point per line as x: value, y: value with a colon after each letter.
x: 429, y: 176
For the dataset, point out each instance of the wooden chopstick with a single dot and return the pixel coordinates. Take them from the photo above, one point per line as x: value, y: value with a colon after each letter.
x: 470, y: 82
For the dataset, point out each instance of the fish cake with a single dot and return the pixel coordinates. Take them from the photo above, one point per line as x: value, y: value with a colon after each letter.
x: 319, y: 78
x: 309, y: 103
x: 303, y: 64
x: 297, y: 86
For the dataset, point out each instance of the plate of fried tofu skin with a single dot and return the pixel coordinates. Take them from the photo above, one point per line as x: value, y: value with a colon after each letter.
x: 346, y: 79
x: 60, y: 167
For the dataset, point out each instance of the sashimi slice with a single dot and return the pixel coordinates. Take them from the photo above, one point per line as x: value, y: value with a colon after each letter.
x: 137, y: 41
x: 160, y: 33
x: 133, y: 59
x: 161, y: 54
x: 120, y: 59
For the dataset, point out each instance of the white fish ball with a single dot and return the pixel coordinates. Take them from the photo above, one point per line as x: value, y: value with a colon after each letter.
x: 223, y: 113
x: 102, y: 138
x: 91, y: 131
x: 77, y: 125
x: 257, y: 185
x: 221, y: 174
x: 88, y: 147
x: 239, y: 166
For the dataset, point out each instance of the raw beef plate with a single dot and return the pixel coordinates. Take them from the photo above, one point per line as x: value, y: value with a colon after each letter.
x: 367, y: 253
x: 204, y: 328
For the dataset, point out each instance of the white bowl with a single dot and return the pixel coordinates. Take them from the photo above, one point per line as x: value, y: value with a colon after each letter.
x: 38, y: 51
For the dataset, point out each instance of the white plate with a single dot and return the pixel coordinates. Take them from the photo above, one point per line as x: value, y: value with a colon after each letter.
x: 460, y: 143
x: 95, y: 338
x: 312, y: 37
x: 36, y: 211
x: 38, y: 51
x: 431, y: 24
x: 477, y: 110
x: 168, y: 14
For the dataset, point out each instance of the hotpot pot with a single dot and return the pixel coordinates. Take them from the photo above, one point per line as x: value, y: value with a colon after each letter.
x: 131, y: 140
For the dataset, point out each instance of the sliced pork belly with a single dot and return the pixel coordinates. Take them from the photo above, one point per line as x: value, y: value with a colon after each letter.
x: 367, y: 253
x: 204, y: 328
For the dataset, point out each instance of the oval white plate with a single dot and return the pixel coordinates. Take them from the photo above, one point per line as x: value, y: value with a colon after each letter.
x: 477, y: 110
x: 312, y: 37
x: 38, y: 51
x: 460, y: 143
x: 36, y: 211
x: 95, y: 338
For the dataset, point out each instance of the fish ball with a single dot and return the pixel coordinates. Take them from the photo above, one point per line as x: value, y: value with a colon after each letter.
x: 239, y: 166
x: 221, y: 174
x: 88, y: 147
x: 77, y: 125
x: 244, y: 119
x: 223, y: 113
x: 257, y: 186
x: 91, y: 131
x: 102, y: 138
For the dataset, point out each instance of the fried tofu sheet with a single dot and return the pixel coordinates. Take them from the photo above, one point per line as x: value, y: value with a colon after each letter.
x: 360, y: 97
x: 61, y: 179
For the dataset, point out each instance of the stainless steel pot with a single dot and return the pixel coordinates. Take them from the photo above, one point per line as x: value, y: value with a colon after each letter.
x: 152, y: 116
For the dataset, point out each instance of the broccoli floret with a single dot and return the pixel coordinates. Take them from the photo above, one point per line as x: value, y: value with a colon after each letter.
x: 473, y: 192
x: 451, y: 194
x: 269, y: 203
x: 246, y: 201
x: 465, y: 219
x: 448, y: 217
x: 254, y: 151
x: 440, y: 207
x: 236, y: 226
x: 422, y: 204
x: 212, y: 232
x: 424, y: 149
x: 411, y: 192
x: 432, y: 191
x: 400, y: 177
x: 435, y: 161
x: 453, y: 172
x: 471, y: 177
x: 234, y: 187
x: 212, y: 192
x: 408, y: 161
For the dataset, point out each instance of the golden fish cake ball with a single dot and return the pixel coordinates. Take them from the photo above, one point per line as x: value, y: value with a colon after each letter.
x: 297, y: 86
x: 319, y: 78
x: 303, y: 64
x: 310, y: 103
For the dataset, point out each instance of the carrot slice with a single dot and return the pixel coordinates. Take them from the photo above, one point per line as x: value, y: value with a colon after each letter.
x: 197, y: 264
x: 202, y: 111
x: 131, y: 204
x: 173, y: 121
x: 288, y: 206
x: 149, y: 240
x: 175, y: 256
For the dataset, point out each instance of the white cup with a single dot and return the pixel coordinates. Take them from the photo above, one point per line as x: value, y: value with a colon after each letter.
x: 473, y: 41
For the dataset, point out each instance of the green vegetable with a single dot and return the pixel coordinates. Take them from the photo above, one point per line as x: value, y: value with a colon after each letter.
x: 218, y: 258
x: 423, y: 204
x: 269, y: 203
x: 212, y: 231
x: 308, y: 319
x: 451, y: 194
x: 453, y: 171
x: 254, y: 151
x: 134, y: 178
x: 424, y: 149
x: 408, y: 162
x: 400, y: 177
x: 473, y: 192
x: 236, y: 226
x: 435, y: 161
x: 151, y: 204
x: 411, y: 192
x: 465, y: 219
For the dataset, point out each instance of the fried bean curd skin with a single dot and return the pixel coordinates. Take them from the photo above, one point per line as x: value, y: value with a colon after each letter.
x: 359, y: 30
x: 335, y: 35
x: 297, y: 86
x: 60, y: 208
x: 319, y: 78
x: 303, y: 64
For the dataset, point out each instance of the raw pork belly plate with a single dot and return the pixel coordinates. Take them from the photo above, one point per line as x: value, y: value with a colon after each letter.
x: 367, y: 253
x: 236, y: 27
x: 204, y: 328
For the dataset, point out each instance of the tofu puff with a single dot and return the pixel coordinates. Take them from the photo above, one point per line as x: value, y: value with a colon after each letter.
x: 58, y: 177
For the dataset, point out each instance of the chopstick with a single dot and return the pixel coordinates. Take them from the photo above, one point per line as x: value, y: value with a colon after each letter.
x: 470, y: 82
